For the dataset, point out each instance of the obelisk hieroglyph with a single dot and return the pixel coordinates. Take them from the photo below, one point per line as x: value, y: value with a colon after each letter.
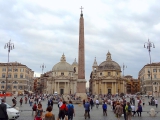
x: 81, y: 83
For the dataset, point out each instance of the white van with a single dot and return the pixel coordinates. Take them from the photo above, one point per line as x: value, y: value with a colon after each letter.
x: 55, y: 93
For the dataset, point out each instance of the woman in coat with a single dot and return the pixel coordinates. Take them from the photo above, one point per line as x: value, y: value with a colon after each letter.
x: 118, y: 111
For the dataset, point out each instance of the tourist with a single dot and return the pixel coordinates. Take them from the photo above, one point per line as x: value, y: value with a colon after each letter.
x: 39, y: 112
x: 139, y: 110
x: 3, y: 110
x: 62, y: 111
x: 143, y: 102
x: 156, y: 103
x: 104, y: 107
x: 133, y: 110
x: 25, y: 100
x: 50, y: 102
x: 124, y: 111
x: 14, y: 102
x: 128, y: 110
x: 91, y: 103
x: 21, y: 101
x: 97, y: 103
x: 60, y: 103
x: 71, y: 110
x: 34, y: 108
x: 49, y: 115
x: 118, y: 111
x: 87, y: 109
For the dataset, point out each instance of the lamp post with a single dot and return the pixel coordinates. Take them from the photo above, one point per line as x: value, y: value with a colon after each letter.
x: 9, y: 46
x: 124, y: 66
x: 149, y: 45
x: 42, y: 66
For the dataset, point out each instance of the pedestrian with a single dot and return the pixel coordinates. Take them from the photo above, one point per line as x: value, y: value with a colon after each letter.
x: 156, y: 103
x: 71, y: 110
x: 97, y: 103
x: 104, y: 107
x: 14, y: 102
x: 49, y: 115
x: 87, y: 109
x: 3, y: 110
x: 62, y: 111
x: 21, y: 101
x: 128, y: 110
x: 25, y: 100
x: 118, y: 111
x: 50, y: 102
x: 143, y: 102
x: 124, y: 111
x: 133, y: 110
x: 139, y: 110
x: 34, y: 108
x: 39, y: 112
x: 91, y: 103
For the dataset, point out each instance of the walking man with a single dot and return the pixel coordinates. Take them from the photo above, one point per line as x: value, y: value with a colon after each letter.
x: 97, y: 103
x: 3, y: 111
x: 156, y: 102
x: 87, y: 109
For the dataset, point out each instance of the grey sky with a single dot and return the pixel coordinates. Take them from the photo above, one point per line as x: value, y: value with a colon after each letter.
x: 43, y: 29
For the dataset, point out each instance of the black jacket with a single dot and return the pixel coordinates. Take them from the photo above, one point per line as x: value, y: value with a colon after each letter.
x: 3, y: 111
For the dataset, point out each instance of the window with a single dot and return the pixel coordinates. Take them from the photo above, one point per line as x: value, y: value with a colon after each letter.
x: 3, y: 69
x: 109, y: 73
x: 14, y: 87
x: 62, y: 73
x: 21, y: 70
x: 155, y: 76
x: 21, y: 75
x: 154, y: 70
x: 9, y: 69
x: 15, y: 75
x: 15, y: 70
x: 9, y: 75
x: 155, y: 88
x: 2, y: 87
x: 100, y: 73
x: 3, y: 75
x: 20, y: 87
x: 3, y: 82
x: 148, y: 76
x: 15, y: 82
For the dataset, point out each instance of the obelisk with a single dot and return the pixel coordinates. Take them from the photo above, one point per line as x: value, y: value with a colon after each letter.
x: 81, y: 82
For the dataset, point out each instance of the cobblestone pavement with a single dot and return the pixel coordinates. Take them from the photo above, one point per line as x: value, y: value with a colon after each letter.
x: 96, y: 114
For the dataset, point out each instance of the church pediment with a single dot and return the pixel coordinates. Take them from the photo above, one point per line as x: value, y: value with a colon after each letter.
x: 108, y: 77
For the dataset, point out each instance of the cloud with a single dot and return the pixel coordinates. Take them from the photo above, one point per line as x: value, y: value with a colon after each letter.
x: 43, y: 30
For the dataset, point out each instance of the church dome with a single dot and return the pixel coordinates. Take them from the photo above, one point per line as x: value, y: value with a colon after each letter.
x: 62, y: 66
x: 109, y: 64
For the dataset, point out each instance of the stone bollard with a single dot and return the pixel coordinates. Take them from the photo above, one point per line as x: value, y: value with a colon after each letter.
x: 152, y: 112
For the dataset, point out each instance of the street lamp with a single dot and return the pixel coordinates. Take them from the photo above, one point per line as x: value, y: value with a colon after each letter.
x: 149, y: 45
x: 42, y: 66
x: 124, y: 67
x: 9, y: 46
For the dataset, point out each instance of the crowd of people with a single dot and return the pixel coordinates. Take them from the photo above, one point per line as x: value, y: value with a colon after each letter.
x: 119, y: 105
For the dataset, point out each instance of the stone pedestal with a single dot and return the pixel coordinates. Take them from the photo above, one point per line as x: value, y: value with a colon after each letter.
x: 81, y: 89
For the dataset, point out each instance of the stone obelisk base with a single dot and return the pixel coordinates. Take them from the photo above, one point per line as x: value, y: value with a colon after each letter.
x: 81, y: 89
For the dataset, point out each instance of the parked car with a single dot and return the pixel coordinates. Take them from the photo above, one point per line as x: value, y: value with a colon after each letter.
x: 12, y: 112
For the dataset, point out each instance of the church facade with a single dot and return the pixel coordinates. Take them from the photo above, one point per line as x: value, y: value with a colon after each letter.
x: 63, y: 78
x: 106, y: 78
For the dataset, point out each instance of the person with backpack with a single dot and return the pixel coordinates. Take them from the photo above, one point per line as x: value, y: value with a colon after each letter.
x: 71, y: 111
x: 139, y: 110
x: 14, y: 102
x: 104, y: 107
x: 39, y: 112
x: 87, y: 110
x: 62, y: 111
x: 128, y: 110
x: 21, y: 101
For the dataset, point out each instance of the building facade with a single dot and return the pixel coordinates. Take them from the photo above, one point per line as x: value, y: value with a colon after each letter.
x: 106, y: 78
x: 133, y: 85
x: 19, y: 79
x: 63, y: 78
x: 149, y: 77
